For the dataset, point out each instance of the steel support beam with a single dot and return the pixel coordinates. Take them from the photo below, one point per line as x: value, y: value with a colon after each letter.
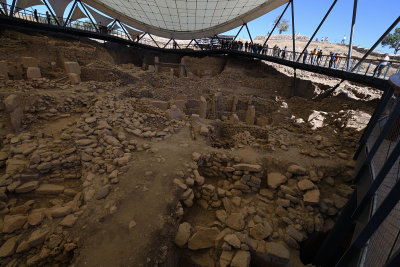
x: 167, y: 43
x: 293, y: 35
x: 198, y: 44
x: 373, y: 224
x: 123, y: 28
x: 319, y: 26
x: 394, y: 261
x: 237, y: 34
x: 377, y: 43
x: 353, y: 22
x: 51, y: 12
x: 251, y: 39
x: 138, y: 38
x: 70, y: 13
x: 12, y: 8
x: 87, y: 14
x: 153, y: 40
x: 276, y: 24
x: 189, y: 44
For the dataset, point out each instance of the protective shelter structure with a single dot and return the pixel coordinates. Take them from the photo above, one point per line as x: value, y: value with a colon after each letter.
x: 368, y: 230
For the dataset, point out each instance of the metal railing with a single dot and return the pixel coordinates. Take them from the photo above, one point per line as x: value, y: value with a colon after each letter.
x: 368, y: 67
x: 29, y: 15
x: 374, y: 208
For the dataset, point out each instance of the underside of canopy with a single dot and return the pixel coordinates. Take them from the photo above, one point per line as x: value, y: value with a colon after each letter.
x: 185, y: 19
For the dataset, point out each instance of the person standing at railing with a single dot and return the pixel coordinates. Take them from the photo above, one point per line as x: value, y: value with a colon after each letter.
x: 313, y: 55
x: 335, y: 63
x: 48, y: 17
x: 326, y: 39
x: 305, y: 56
x: 36, y: 15
x: 284, y: 52
x: 344, y: 39
x: 332, y: 58
x: 382, y: 64
x: 319, y: 57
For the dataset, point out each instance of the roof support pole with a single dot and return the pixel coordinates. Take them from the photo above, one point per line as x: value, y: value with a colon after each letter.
x: 123, y: 28
x: 167, y: 43
x: 70, y: 13
x: 12, y: 8
x: 293, y: 33
x: 251, y: 39
x: 198, y: 44
x: 87, y: 14
x: 154, y: 40
x: 319, y: 26
x: 237, y: 35
x: 353, y: 22
x: 276, y: 24
x: 51, y: 12
x: 138, y: 38
x: 377, y: 43
x: 176, y: 43
x: 189, y: 44
x: 295, y: 93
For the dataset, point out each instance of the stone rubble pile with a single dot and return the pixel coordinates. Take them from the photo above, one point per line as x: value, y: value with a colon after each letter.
x: 49, y: 179
x: 256, y: 213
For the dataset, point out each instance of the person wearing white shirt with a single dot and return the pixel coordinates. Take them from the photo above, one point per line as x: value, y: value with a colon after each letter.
x: 382, y: 64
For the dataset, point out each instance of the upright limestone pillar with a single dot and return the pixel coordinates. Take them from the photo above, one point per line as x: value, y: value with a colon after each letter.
x: 156, y: 64
x: 203, y: 107
x: 250, y: 115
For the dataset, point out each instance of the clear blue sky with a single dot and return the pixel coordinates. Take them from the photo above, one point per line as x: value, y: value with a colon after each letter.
x: 373, y: 18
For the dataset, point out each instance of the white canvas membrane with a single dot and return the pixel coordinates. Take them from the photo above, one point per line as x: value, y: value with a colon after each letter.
x: 185, y: 19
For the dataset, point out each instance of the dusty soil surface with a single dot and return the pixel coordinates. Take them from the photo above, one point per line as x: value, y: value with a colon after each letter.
x: 219, y: 167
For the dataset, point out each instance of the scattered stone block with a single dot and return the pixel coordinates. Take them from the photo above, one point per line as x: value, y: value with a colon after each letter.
x: 72, y: 67
x: 3, y: 70
x: 160, y: 104
x: 27, y: 62
x: 275, y: 179
x: 183, y: 234
x: 74, y: 78
x: 203, y: 238
x: 8, y: 248
x: 33, y: 73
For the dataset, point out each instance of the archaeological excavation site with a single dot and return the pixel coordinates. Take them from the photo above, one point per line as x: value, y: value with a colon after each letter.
x: 119, y: 153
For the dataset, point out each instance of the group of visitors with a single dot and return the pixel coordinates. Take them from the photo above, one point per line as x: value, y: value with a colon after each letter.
x: 35, y: 15
x: 315, y: 58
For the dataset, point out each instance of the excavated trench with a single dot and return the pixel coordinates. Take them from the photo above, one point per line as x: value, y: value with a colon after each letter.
x: 250, y: 172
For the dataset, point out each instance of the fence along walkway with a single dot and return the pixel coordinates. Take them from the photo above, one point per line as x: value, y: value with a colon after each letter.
x: 336, y: 67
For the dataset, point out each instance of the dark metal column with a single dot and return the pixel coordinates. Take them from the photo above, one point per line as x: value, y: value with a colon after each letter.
x: 51, y: 12
x: 353, y: 22
x: 70, y: 13
x: 276, y: 24
x: 319, y: 26
x: 123, y: 28
x: 12, y: 8
x: 87, y: 14
x: 251, y: 39
x: 295, y: 92
x: 377, y: 43
x: 237, y: 35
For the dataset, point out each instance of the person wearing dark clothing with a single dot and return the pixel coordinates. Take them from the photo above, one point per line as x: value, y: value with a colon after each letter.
x: 278, y: 52
x: 246, y: 46
x: 332, y: 58
x: 305, y: 57
x: 284, y: 52
x: 48, y: 17
x: 36, y: 15
x: 319, y: 57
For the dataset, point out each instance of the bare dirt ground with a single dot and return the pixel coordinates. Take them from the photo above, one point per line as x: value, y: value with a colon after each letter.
x: 220, y: 167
